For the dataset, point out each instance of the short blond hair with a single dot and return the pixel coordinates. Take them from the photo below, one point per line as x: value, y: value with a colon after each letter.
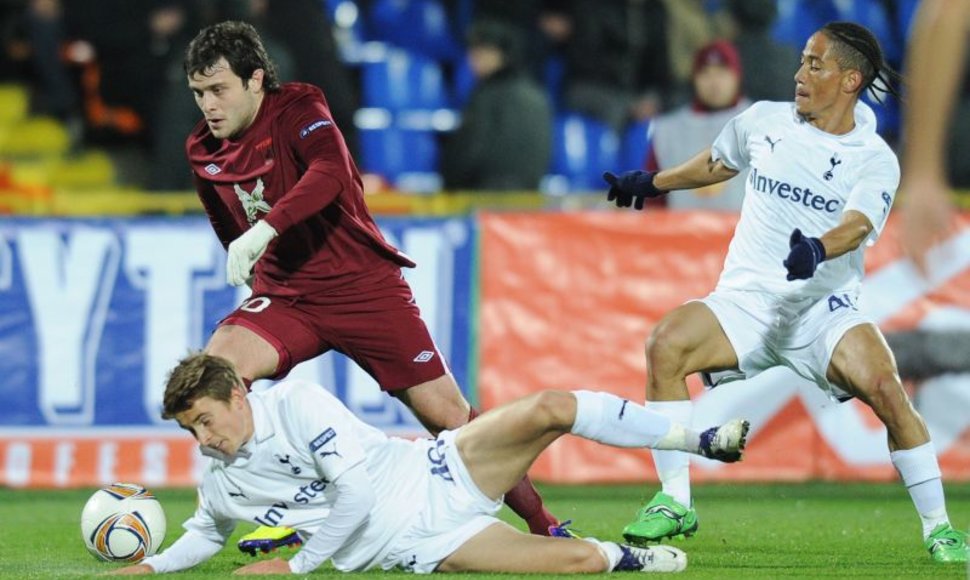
x: 195, y: 376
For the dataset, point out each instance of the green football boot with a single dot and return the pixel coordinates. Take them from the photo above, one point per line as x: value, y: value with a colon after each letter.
x: 663, y: 517
x: 947, y: 544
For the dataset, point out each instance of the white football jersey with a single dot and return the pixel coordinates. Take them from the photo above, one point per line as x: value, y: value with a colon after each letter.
x: 802, y: 177
x: 304, y: 439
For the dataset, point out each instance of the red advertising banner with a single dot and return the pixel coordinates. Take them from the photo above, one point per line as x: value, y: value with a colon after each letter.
x: 568, y: 300
x: 90, y: 459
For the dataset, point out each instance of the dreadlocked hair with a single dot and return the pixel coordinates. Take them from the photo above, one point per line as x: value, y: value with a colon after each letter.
x: 857, y: 48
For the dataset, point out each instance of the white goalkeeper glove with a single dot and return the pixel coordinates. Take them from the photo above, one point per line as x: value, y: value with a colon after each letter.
x: 245, y: 250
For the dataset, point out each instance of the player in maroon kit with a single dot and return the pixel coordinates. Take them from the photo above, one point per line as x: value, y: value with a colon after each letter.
x: 286, y: 201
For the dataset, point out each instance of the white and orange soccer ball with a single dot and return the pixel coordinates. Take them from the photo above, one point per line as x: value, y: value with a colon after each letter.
x: 123, y: 523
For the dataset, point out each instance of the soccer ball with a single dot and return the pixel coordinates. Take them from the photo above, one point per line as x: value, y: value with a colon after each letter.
x: 123, y: 523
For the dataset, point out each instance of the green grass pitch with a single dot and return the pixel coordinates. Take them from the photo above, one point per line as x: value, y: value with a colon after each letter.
x: 817, y: 530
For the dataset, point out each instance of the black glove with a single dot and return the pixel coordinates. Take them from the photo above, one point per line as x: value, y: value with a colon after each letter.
x: 632, y: 188
x: 804, y: 256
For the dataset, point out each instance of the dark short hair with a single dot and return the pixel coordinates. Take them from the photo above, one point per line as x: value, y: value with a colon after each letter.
x: 855, y: 47
x: 198, y: 375
x: 242, y: 48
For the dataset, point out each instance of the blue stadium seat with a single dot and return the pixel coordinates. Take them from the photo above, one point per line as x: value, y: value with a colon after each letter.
x: 420, y: 26
x: 873, y: 15
x: 799, y: 19
x: 583, y: 148
x: 401, y: 146
x: 633, y: 148
x: 401, y: 80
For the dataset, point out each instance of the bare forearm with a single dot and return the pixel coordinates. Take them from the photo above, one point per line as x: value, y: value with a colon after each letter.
x: 846, y: 236
x: 698, y: 171
x: 934, y: 63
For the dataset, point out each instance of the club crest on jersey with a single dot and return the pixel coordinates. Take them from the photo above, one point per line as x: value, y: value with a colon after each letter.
x: 828, y: 175
x: 252, y: 201
x: 305, y: 132
x: 212, y: 169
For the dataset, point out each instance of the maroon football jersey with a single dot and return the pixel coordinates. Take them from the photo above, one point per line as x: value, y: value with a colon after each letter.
x: 292, y: 169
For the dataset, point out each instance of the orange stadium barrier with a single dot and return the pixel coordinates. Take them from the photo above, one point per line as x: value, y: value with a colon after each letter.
x: 568, y: 299
x: 52, y: 460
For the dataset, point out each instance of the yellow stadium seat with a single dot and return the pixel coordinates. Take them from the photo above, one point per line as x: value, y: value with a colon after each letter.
x: 14, y: 101
x: 35, y: 136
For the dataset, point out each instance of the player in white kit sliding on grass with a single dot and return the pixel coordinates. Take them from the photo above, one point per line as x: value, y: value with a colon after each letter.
x: 294, y: 455
x: 819, y: 190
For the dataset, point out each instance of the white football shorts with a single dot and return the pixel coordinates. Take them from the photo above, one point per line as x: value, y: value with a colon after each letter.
x: 767, y: 331
x: 455, y: 511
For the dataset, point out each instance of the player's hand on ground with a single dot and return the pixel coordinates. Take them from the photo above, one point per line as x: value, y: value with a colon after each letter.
x: 804, y: 256
x: 135, y: 570
x: 245, y: 250
x: 631, y: 188
x: 274, y: 566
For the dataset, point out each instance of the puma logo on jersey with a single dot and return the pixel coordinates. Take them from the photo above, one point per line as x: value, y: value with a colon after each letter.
x: 252, y: 201
x: 828, y: 175
x: 772, y: 143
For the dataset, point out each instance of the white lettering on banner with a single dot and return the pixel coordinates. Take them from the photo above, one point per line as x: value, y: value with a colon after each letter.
x: 17, y: 465
x: 69, y: 284
x: 154, y: 463
x: 63, y: 463
x: 166, y: 262
x: 107, y: 461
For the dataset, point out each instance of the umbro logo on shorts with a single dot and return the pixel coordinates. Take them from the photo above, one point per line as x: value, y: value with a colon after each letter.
x: 424, y: 356
x: 212, y: 169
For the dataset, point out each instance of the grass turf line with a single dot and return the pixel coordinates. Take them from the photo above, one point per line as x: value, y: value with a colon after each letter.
x: 816, y: 530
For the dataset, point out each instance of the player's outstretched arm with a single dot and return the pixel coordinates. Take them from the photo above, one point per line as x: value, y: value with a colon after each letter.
x: 700, y: 170
x: 634, y: 187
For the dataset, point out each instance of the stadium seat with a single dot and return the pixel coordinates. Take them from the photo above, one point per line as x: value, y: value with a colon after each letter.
x: 420, y: 26
x: 394, y: 152
x: 873, y: 15
x: 583, y: 148
x: 13, y: 104
x: 633, y: 148
x: 403, y: 81
x: 34, y: 136
x: 799, y: 19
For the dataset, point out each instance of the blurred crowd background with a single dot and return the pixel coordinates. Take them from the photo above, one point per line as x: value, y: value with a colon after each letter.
x: 432, y: 95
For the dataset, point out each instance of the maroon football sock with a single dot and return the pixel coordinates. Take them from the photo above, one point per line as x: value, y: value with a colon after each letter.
x: 525, y: 501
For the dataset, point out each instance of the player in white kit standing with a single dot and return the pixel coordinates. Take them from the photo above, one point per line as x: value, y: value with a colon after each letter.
x: 295, y: 456
x: 819, y: 190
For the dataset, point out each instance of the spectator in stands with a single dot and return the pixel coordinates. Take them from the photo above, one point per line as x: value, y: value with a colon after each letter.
x: 691, y: 25
x: 768, y: 65
x: 677, y: 136
x: 617, y: 65
x: 505, y: 138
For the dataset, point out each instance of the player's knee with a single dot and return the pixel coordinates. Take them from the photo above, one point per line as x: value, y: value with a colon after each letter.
x: 553, y: 409
x: 666, y: 348
x: 885, y: 394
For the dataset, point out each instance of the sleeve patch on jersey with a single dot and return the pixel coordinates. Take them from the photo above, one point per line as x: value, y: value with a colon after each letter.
x: 305, y: 132
x: 322, y: 439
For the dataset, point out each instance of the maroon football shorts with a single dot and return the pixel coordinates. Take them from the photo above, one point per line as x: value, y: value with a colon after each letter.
x: 380, y: 329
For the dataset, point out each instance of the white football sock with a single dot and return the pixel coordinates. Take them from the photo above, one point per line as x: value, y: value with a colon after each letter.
x: 610, y: 551
x: 606, y: 418
x: 673, y: 467
x: 920, y: 472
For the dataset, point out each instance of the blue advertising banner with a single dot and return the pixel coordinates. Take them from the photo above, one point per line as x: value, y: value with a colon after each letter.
x: 94, y: 313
